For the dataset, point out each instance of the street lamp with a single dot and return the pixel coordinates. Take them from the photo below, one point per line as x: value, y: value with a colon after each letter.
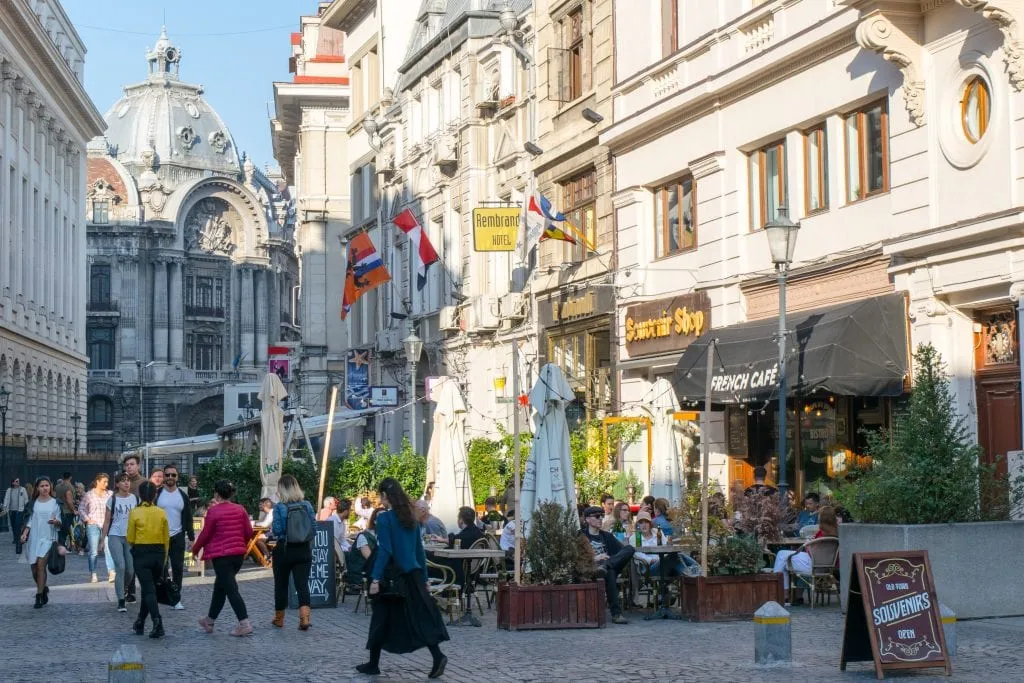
x: 781, y: 234
x: 75, y: 419
x: 142, y: 417
x: 5, y: 396
x: 413, y: 348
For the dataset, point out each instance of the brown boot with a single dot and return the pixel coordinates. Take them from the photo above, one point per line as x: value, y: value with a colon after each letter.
x: 304, y: 618
x: 278, y: 618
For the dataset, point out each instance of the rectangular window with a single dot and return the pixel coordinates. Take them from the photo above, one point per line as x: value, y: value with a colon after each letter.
x: 100, y: 341
x: 580, y: 210
x: 768, y: 187
x: 100, y: 212
x: 669, y: 27
x: 675, y: 217
x: 816, y: 170
x: 99, y: 284
x: 575, y: 39
x: 867, y: 152
x: 204, y: 351
x: 189, y: 289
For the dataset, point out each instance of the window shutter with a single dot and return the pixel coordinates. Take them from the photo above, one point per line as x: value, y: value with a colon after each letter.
x: 558, y: 74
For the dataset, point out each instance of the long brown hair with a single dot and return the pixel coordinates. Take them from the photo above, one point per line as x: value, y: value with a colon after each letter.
x: 399, y: 502
x: 828, y: 524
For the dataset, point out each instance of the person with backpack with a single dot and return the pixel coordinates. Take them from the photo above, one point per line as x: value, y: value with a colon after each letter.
x: 359, y: 560
x: 293, y: 524
x: 224, y: 540
x: 115, y: 535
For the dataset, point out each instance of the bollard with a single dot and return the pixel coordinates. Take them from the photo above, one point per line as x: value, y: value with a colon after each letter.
x: 773, y: 641
x: 126, y: 666
x: 948, y: 628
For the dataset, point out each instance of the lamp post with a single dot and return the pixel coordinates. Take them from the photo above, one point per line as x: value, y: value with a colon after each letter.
x: 5, y: 396
x: 75, y: 419
x: 781, y: 232
x: 413, y: 348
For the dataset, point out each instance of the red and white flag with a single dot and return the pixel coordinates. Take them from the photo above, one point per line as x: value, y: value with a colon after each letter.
x: 422, y: 247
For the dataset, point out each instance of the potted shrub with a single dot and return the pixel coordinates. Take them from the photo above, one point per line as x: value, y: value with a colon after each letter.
x: 928, y: 489
x: 562, y: 591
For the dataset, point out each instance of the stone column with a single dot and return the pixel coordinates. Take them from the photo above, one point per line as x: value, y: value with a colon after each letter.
x: 247, y: 318
x: 262, y: 293
x: 127, y: 329
x: 6, y: 220
x: 161, y: 323
x: 177, y: 315
x: 1017, y: 294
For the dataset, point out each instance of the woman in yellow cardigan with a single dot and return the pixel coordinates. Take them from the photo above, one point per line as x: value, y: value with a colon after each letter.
x: 149, y: 536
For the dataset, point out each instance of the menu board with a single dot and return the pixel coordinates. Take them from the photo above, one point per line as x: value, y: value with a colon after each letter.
x: 897, y: 622
x: 323, y: 570
x: 736, y: 431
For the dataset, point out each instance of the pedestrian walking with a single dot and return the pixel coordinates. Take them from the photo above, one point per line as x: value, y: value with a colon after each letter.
x: 149, y: 537
x: 130, y: 465
x: 224, y: 540
x: 174, y: 502
x: 15, y: 500
x: 42, y: 528
x: 405, y: 616
x: 93, y: 512
x: 115, y: 536
x: 293, y: 528
x: 65, y: 495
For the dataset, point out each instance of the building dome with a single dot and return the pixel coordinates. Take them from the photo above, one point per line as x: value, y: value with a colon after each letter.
x: 164, y: 121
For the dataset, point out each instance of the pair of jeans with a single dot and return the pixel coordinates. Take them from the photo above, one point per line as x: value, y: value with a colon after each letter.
x: 149, y: 566
x: 176, y: 555
x: 118, y: 549
x: 15, y: 518
x: 291, y: 560
x: 225, y: 586
x: 612, y: 566
x: 93, y: 532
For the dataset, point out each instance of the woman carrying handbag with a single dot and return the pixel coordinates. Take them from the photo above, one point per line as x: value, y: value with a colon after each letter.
x: 405, y: 616
x: 41, y: 534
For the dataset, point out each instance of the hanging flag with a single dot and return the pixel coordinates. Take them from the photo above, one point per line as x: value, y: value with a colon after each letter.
x: 540, y: 222
x: 425, y: 253
x: 364, y: 271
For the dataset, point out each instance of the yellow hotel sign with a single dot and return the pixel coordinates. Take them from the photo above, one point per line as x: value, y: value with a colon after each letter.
x: 495, y: 229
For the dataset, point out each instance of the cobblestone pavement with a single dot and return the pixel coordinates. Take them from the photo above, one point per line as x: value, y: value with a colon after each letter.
x: 79, y: 630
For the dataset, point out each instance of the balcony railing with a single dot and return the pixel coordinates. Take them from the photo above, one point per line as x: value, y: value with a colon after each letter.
x: 204, y: 311
x: 101, y: 306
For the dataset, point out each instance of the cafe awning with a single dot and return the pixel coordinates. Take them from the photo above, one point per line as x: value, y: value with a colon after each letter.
x: 853, y: 349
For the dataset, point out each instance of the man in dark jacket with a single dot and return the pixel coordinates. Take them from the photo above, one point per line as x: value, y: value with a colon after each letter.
x: 469, y: 533
x: 610, y: 556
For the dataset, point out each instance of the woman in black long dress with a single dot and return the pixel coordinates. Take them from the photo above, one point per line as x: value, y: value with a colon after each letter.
x: 405, y: 616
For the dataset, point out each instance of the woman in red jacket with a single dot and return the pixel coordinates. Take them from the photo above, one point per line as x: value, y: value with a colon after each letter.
x: 224, y: 539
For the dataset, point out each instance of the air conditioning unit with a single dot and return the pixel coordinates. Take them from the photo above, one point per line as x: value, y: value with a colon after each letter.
x: 448, y: 319
x: 446, y: 150
x: 483, y: 313
x: 506, y: 324
x: 387, y: 341
x: 513, y: 306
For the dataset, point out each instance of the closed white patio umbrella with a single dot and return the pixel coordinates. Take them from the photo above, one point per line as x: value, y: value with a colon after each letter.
x: 272, y: 392
x: 666, y: 466
x: 549, y: 475
x: 447, y: 464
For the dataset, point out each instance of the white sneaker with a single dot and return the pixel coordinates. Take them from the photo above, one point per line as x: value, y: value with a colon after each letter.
x: 93, y: 578
x: 179, y: 606
x: 111, y: 577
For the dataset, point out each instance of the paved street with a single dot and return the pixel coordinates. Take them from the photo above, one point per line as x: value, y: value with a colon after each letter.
x: 81, y: 629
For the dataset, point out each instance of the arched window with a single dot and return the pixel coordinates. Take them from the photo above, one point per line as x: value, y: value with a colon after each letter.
x: 975, y: 108
x: 101, y: 414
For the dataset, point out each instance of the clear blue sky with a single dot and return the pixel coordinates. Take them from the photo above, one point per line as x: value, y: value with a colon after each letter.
x: 234, y: 48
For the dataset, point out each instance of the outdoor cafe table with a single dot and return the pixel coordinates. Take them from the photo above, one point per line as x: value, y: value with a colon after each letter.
x: 467, y: 556
x: 662, y: 610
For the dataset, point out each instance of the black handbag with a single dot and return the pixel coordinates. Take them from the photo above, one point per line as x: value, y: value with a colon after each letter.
x: 167, y: 593
x: 55, y: 562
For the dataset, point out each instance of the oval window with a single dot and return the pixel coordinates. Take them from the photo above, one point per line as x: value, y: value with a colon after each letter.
x: 975, y: 108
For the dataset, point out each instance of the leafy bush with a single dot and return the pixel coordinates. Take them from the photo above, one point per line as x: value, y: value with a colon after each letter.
x: 686, y: 520
x: 625, y: 479
x: 761, y: 517
x: 360, y: 471
x: 491, y: 463
x: 588, y: 449
x: 925, y: 468
x: 736, y: 555
x: 242, y: 468
x: 554, y: 552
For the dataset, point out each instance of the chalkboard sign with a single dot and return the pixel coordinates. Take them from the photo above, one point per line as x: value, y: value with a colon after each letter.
x: 736, y: 431
x: 896, y: 621
x: 323, y: 570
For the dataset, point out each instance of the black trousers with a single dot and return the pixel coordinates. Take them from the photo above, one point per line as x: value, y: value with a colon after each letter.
x: 612, y: 567
x: 176, y: 555
x: 291, y: 560
x: 149, y: 565
x: 226, y: 587
x: 66, y: 518
x: 15, y: 517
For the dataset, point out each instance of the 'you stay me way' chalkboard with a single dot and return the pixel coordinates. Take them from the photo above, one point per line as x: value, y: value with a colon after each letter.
x: 323, y: 570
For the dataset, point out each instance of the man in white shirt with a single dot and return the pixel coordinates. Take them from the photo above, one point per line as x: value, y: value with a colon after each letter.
x: 174, y: 502
x: 15, y: 501
x: 508, y: 534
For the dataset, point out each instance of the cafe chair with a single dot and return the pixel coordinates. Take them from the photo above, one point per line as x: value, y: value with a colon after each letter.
x: 821, y: 582
x: 442, y: 587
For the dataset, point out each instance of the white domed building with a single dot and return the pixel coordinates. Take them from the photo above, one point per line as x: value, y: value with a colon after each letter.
x: 192, y: 263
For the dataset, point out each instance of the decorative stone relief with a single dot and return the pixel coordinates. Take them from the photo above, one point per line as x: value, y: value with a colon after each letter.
x: 125, y: 107
x: 192, y: 109
x: 219, y: 141
x: 878, y: 33
x: 187, y: 136
x: 207, y: 230
x: 1002, y: 14
x: 101, y: 190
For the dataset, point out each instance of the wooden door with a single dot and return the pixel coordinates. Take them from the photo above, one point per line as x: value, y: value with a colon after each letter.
x: 999, y: 414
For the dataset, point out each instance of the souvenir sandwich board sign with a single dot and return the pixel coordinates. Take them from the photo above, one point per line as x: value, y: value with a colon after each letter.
x: 893, y: 615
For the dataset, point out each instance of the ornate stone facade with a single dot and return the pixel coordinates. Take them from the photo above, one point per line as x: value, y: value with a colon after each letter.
x: 191, y: 263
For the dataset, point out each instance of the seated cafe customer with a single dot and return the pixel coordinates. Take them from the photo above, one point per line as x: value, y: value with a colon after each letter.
x: 610, y: 556
x: 469, y: 533
x: 800, y: 560
x: 676, y: 563
x: 809, y: 515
